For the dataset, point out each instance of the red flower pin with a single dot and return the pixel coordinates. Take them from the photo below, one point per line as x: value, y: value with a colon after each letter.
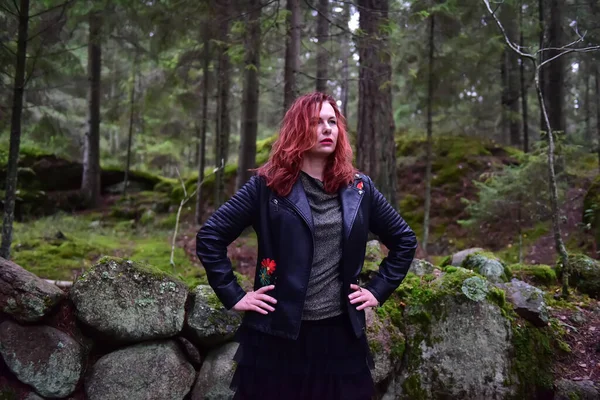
x: 267, y: 267
x: 360, y: 185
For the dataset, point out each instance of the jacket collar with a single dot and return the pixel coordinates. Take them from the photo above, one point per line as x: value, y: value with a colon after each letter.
x: 350, y: 198
x: 298, y: 198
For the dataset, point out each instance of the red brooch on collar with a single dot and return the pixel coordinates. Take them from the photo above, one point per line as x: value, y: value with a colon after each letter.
x: 267, y: 267
x: 359, y: 185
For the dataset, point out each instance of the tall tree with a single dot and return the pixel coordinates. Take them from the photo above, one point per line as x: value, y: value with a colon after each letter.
x: 598, y: 108
x: 376, y: 149
x: 247, y: 157
x: 554, y: 72
x: 429, y: 150
x: 204, y: 128
x: 510, y: 83
x: 322, y: 52
x: 345, y: 55
x: 15, y: 129
x: 223, y: 124
x: 90, y: 184
x: 131, y: 123
x: 292, y: 53
x: 524, y: 108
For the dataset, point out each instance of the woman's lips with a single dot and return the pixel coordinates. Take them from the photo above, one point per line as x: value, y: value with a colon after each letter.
x: 326, y: 141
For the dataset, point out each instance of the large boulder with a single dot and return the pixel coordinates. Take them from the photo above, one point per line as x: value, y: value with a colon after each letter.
x: 149, y: 370
x: 458, y: 258
x: 463, y: 341
x: 128, y: 301
x: 486, y: 264
x: 216, y: 373
x: 386, y: 343
x: 23, y: 295
x: 210, y: 322
x: 45, y: 358
x: 585, y: 274
x: 528, y: 301
x: 421, y: 267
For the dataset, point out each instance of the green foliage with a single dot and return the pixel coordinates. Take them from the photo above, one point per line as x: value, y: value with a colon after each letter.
x: 517, y: 188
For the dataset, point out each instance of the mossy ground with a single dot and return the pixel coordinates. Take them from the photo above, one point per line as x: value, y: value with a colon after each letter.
x: 63, y: 246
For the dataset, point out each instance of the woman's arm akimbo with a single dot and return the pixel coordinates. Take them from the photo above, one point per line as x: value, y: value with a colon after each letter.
x: 222, y: 228
x: 398, y: 237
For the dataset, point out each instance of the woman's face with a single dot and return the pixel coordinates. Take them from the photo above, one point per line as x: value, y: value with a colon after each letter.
x: 327, y: 132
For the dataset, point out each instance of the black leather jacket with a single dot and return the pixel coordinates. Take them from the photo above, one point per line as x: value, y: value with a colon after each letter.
x: 285, y: 235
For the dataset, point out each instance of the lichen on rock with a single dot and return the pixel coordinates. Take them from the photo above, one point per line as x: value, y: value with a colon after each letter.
x: 128, y: 301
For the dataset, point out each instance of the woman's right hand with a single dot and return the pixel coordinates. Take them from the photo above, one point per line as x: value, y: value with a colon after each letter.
x: 256, y: 301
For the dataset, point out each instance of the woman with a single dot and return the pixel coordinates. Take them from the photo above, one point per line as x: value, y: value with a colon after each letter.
x: 303, y: 331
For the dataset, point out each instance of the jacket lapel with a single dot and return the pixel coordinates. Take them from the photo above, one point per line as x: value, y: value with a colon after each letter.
x: 350, y: 197
x: 298, y: 198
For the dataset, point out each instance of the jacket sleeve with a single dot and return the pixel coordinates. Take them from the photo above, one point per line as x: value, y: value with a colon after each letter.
x: 222, y: 228
x: 398, y: 237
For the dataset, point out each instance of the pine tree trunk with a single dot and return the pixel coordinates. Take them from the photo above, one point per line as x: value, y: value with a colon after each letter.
x: 376, y: 149
x: 429, y: 149
x: 90, y: 185
x: 598, y: 109
x: 223, y: 121
x: 322, y: 52
x: 292, y: 53
x: 130, y: 134
x: 15, y: 130
x: 542, y: 57
x: 554, y: 72
x: 587, y: 100
x: 510, y: 109
x: 524, y: 109
x: 202, y: 162
x: 247, y: 156
x: 345, y: 57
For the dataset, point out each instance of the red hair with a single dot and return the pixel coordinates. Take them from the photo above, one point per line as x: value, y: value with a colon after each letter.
x: 297, y: 135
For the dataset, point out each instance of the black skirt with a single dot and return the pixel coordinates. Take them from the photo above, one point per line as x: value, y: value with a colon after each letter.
x: 326, y: 361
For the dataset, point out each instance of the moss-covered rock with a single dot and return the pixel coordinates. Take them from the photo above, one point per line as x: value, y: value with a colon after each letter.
x: 45, y: 358
x: 585, y: 274
x: 539, y: 274
x: 149, y: 370
x: 24, y: 296
x: 128, y: 301
x: 463, y: 340
x: 209, y: 321
x: 386, y: 343
x: 488, y: 265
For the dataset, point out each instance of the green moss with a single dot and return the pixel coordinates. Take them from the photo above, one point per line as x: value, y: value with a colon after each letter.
x: 539, y: 274
x: 533, y: 356
x: 413, y: 389
x: 446, y: 261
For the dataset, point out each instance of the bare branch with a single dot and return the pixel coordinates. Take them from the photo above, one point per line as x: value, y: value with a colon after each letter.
x: 17, y: 7
x: 584, y: 50
x: 62, y: 13
x: 185, y: 199
x: 506, y: 38
x: 345, y: 29
x: 7, y: 10
x: 51, y: 9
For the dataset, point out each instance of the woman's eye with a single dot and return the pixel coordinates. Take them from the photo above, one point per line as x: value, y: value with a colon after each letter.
x: 332, y: 122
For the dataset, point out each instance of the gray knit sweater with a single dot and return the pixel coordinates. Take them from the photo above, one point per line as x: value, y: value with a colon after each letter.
x: 323, y: 296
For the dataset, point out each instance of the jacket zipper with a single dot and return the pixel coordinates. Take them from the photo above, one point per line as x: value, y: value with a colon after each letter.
x: 312, y: 235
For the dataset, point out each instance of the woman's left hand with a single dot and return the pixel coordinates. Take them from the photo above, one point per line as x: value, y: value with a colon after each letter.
x: 362, y: 295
